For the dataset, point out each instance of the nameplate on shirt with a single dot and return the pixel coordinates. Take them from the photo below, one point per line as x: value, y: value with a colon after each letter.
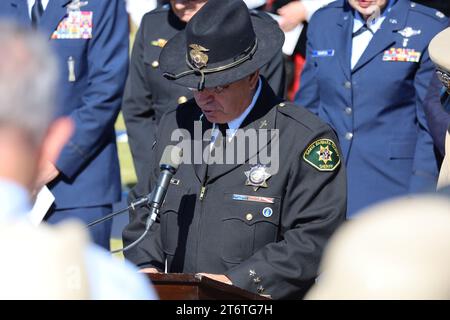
x: 243, y: 197
x: 76, y: 25
x: 322, y: 53
x: 401, y: 55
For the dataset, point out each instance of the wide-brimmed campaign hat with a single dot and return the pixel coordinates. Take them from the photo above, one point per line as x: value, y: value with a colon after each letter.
x: 221, y: 44
x: 439, y: 50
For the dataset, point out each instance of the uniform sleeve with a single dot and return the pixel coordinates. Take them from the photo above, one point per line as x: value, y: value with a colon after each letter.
x: 437, y: 118
x: 425, y: 170
x: 313, y: 207
x: 107, y: 64
x: 308, y: 94
x: 137, y: 109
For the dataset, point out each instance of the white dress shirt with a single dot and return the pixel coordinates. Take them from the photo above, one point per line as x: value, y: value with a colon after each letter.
x: 234, y: 125
x: 361, y: 41
x: 31, y: 4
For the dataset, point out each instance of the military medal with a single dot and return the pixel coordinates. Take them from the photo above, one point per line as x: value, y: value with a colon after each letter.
x: 257, y: 177
x: 77, y: 24
x: 401, y: 55
x: 159, y: 43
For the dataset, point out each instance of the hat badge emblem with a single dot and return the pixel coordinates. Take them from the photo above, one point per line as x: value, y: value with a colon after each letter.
x: 198, y: 56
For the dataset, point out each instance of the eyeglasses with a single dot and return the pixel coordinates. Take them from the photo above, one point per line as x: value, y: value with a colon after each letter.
x: 216, y: 90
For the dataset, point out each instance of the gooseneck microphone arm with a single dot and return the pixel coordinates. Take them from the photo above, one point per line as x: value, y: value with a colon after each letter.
x: 170, y: 161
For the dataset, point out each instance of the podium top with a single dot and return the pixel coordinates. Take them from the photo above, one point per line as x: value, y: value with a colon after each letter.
x: 182, y: 286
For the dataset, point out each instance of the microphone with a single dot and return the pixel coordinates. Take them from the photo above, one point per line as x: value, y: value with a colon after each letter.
x: 170, y: 161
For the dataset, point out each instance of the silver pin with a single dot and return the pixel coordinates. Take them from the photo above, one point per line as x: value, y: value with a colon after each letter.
x: 71, y: 67
x: 393, y: 21
x: 405, y: 42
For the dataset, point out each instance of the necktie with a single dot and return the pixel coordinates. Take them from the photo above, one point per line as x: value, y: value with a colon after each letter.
x: 363, y: 29
x: 223, y: 129
x: 36, y: 12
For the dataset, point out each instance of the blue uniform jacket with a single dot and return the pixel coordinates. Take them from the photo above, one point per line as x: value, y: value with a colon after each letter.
x: 376, y: 108
x: 89, y: 165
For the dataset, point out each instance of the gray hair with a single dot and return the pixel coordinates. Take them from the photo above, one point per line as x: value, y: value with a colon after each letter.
x: 28, y: 76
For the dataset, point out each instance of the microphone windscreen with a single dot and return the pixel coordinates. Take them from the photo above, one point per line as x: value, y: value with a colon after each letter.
x: 172, y: 157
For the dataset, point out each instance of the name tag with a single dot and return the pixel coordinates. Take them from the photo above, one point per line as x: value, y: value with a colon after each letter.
x: 77, y: 25
x: 243, y: 197
x: 401, y: 55
x: 322, y: 53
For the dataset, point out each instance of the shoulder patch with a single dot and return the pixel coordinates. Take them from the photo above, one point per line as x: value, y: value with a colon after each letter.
x: 323, y: 155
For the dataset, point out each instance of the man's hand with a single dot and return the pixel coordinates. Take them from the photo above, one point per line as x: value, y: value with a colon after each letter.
x: 47, y: 173
x: 292, y: 15
x: 217, y: 277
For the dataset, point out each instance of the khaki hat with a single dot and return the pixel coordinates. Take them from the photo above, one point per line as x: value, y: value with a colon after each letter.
x: 399, y: 249
x: 439, y: 50
x: 43, y: 262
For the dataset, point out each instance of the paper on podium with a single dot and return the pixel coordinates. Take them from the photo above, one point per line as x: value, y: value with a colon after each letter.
x: 44, y: 200
x: 290, y: 37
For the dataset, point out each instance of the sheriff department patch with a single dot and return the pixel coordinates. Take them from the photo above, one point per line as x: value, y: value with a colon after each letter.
x: 323, y: 155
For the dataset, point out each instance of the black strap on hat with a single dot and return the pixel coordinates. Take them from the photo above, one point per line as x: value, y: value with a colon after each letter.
x: 247, y: 55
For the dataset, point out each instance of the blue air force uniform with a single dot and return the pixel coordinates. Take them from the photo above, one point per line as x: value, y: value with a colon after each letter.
x: 91, y: 43
x: 376, y: 105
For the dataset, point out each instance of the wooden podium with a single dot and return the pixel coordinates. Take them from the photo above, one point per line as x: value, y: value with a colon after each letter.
x: 180, y: 286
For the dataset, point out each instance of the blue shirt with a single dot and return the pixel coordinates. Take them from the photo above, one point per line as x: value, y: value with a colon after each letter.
x: 109, y: 278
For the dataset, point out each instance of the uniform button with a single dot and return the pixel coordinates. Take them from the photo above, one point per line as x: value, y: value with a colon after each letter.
x: 348, y: 111
x: 282, y: 104
x: 349, y: 136
x: 251, y: 273
x: 155, y: 64
x: 257, y: 280
x: 249, y: 217
x: 348, y: 84
x: 260, y: 289
x: 182, y: 100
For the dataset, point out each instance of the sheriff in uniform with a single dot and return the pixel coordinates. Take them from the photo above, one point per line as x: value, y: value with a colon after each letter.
x: 243, y: 223
x: 368, y: 77
x: 90, y: 39
x: 148, y: 94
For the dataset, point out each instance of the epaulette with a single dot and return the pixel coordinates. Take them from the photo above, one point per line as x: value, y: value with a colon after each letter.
x: 300, y: 115
x: 436, y: 14
x: 161, y: 9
